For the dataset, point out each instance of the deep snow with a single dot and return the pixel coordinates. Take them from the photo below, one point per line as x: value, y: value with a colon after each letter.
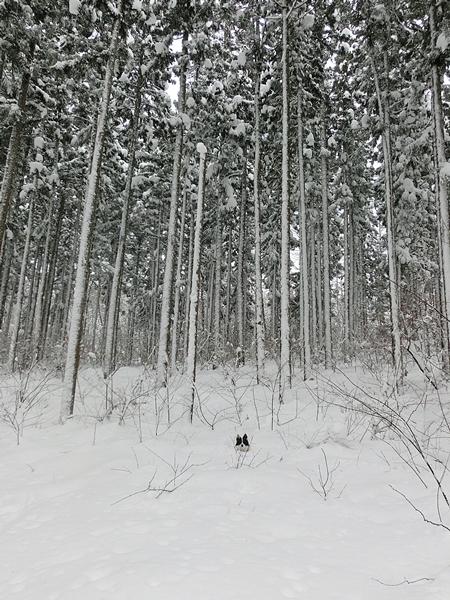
x: 77, y: 523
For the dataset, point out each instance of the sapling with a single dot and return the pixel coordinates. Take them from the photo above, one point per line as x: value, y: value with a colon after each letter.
x: 177, y: 479
x: 324, y: 484
x: 26, y: 398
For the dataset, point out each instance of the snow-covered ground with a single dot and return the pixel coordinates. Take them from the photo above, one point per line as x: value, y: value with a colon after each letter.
x: 96, y: 509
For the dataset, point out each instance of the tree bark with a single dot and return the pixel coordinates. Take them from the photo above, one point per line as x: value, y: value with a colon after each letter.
x: 20, y: 290
x: 114, y: 298
x: 285, y: 349
x: 325, y: 245
x: 163, y: 359
x: 90, y: 205
x: 240, y: 306
x: 304, y: 291
x: 442, y: 192
x: 259, y: 309
x: 191, y: 359
x: 383, y: 109
x: 176, y: 302
x: 218, y: 337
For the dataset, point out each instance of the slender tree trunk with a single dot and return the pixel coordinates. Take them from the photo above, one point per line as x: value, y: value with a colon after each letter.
x: 176, y: 302
x: 319, y: 290
x: 355, y: 308
x: 275, y: 321
x: 304, y: 292
x: 193, y: 308
x: 62, y: 329
x: 442, y: 191
x: 151, y: 340
x: 5, y: 275
x: 27, y: 354
x: 79, y: 299
x: 259, y: 309
x: 227, y: 319
x: 132, y: 307
x: 285, y: 349
x: 346, y: 283
x: 240, y: 307
x: 114, y: 299
x: 43, y: 279
x: 325, y: 246
x: 188, y: 284
x: 50, y: 280
x: 21, y: 288
x: 312, y: 278
x: 392, y: 261
x: 218, y: 337
x: 163, y: 359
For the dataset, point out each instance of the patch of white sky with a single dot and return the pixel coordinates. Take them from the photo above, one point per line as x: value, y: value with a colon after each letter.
x: 174, y: 87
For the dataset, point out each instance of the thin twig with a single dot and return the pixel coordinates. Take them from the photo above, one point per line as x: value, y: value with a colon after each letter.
x: 403, y: 582
x: 419, y: 511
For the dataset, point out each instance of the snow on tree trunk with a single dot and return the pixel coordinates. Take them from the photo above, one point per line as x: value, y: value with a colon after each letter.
x: 441, y: 178
x: 163, y: 360
x: 304, y: 292
x: 383, y: 109
x: 347, y: 310
x: 285, y: 350
x: 114, y: 299
x: 21, y: 288
x: 325, y: 246
x: 314, y: 298
x: 80, y: 293
x: 228, y: 293
x: 5, y: 276
x: 240, y: 308
x: 176, y: 302
x: 37, y: 327
x: 218, y: 337
x: 259, y: 314
x: 191, y: 359
x: 188, y: 282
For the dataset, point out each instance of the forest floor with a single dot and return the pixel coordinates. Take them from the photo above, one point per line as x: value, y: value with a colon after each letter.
x: 325, y: 505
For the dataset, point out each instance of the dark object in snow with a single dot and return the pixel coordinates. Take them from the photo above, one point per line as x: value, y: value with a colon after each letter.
x: 242, y: 443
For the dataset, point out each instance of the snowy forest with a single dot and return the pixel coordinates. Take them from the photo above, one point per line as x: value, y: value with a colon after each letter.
x: 225, y: 299
x: 289, y: 201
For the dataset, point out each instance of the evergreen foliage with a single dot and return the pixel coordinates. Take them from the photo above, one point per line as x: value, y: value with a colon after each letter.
x: 368, y: 87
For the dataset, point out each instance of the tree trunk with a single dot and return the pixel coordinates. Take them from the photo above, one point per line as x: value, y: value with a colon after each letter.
x: 325, y: 246
x: 154, y: 286
x: 114, y: 298
x: 259, y: 308
x: 7, y: 252
x: 218, y: 333
x: 90, y: 204
x: 194, y: 295
x: 442, y: 192
x: 240, y: 306
x: 383, y: 109
x: 44, y: 276
x: 21, y: 288
x: 228, y: 295
x: 285, y: 350
x: 176, y: 302
x: 188, y: 284
x: 50, y: 280
x: 304, y: 291
x: 347, y: 271
x: 163, y: 359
